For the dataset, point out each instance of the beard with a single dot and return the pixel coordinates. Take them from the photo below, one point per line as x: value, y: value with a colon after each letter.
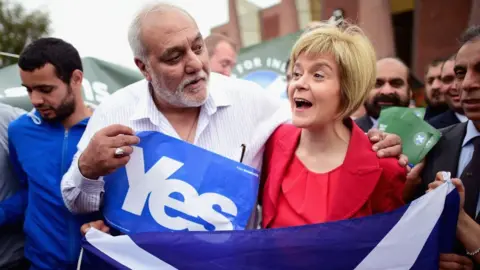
x: 374, y: 108
x: 64, y: 110
x: 181, y: 97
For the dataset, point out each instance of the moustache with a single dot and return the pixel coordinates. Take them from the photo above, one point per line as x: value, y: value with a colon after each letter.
x: 436, y: 92
x: 43, y: 108
x: 387, y: 98
x: 200, y: 76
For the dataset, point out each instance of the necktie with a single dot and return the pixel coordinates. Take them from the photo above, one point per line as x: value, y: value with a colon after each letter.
x: 471, y: 180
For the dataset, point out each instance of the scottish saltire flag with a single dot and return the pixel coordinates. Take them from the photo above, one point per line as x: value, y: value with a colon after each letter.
x: 171, y: 185
x: 409, y: 238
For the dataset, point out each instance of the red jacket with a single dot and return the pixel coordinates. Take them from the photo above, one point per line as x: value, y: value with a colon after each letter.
x: 368, y: 184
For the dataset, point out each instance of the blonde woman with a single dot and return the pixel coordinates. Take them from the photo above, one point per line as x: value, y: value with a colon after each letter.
x: 322, y: 168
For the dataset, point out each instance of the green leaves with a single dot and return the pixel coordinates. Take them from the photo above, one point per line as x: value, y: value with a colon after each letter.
x: 18, y: 28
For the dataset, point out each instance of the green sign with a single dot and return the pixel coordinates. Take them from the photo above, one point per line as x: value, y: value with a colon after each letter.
x: 100, y: 80
x: 418, y: 137
x: 265, y: 63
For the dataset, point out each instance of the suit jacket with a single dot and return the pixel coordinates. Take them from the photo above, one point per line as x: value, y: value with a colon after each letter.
x: 444, y: 155
x: 368, y: 184
x: 364, y: 122
x: 444, y: 120
x: 431, y: 112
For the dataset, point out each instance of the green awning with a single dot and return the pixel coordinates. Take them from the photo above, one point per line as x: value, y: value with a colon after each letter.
x: 265, y: 63
x: 101, y: 79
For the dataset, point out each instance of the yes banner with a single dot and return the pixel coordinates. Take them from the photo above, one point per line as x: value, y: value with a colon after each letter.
x: 171, y: 185
x: 410, y: 237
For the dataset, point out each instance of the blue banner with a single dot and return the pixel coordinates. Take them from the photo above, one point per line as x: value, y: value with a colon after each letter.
x: 171, y: 185
x: 410, y: 237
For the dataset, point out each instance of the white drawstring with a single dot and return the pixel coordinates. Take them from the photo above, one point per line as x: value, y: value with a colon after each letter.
x: 35, y: 118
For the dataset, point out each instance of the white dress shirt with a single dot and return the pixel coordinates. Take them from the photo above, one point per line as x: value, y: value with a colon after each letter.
x: 374, y: 122
x: 236, y: 112
x: 467, y: 151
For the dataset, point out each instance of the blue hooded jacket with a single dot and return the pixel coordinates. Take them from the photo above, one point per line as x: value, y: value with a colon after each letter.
x: 41, y: 153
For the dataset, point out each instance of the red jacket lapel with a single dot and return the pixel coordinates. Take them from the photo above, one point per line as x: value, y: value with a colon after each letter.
x: 279, y: 151
x: 360, y: 174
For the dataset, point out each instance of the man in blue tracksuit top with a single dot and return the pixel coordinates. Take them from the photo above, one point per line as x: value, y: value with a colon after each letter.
x: 41, y: 145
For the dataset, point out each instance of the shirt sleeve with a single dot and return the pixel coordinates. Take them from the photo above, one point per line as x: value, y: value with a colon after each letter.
x: 80, y: 194
x: 12, y: 209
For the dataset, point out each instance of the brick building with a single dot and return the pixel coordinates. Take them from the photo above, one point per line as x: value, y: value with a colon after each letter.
x: 417, y: 31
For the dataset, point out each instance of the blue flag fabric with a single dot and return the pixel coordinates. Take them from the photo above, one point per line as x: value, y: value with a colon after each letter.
x: 171, y: 185
x: 408, y: 238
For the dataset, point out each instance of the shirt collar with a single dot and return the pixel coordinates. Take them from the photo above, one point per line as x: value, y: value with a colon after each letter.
x: 471, y: 133
x: 374, y: 122
x: 462, y: 118
x: 146, y: 108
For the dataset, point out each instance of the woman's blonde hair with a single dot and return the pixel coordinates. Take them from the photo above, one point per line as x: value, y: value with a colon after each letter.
x: 354, y: 54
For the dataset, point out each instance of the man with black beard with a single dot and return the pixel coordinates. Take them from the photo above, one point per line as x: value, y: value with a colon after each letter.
x: 41, y: 147
x: 391, y: 89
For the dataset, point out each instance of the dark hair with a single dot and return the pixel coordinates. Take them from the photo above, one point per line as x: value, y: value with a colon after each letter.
x: 438, y: 61
x: 435, y: 63
x: 62, y: 55
x: 473, y: 32
x: 213, y: 39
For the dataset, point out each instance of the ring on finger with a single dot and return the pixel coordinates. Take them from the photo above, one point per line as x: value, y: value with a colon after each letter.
x: 119, y: 152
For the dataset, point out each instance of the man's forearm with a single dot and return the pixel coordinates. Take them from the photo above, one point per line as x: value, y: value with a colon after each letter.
x: 468, y: 232
x: 80, y: 194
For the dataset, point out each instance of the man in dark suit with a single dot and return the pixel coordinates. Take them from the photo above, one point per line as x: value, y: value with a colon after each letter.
x: 455, y: 114
x: 458, y: 151
x: 391, y: 89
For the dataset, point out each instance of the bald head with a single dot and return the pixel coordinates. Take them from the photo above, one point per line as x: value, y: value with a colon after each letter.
x: 391, y: 86
x: 148, y: 19
x: 393, y: 65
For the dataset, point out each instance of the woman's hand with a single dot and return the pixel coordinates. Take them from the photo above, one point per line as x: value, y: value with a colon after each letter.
x: 413, y: 180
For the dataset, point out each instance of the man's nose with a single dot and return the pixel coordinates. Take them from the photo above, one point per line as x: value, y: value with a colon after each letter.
x: 436, y: 84
x: 36, y: 98
x: 387, y: 89
x: 194, y: 63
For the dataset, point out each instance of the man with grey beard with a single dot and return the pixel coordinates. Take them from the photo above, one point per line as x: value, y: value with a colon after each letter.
x: 180, y: 98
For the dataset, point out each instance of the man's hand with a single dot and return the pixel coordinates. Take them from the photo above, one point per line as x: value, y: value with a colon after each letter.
x: 99, y: 225
x: 454, y: 261
x: 455, y: 181
x: 414, y: 174
x: 413, y: 180
x: 387, y: 145
x: 99, y: 157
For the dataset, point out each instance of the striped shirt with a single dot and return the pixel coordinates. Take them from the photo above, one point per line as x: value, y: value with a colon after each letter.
x: 236, y: 112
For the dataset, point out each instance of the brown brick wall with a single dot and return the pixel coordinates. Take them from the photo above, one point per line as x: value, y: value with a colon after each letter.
x: 437, y: 26
x: 475, y: 13
x: 232, y: 27
x: 270, y: 22
x: 279, y: 20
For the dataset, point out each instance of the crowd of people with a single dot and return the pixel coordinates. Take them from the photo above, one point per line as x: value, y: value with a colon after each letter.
x: 317, y: 163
